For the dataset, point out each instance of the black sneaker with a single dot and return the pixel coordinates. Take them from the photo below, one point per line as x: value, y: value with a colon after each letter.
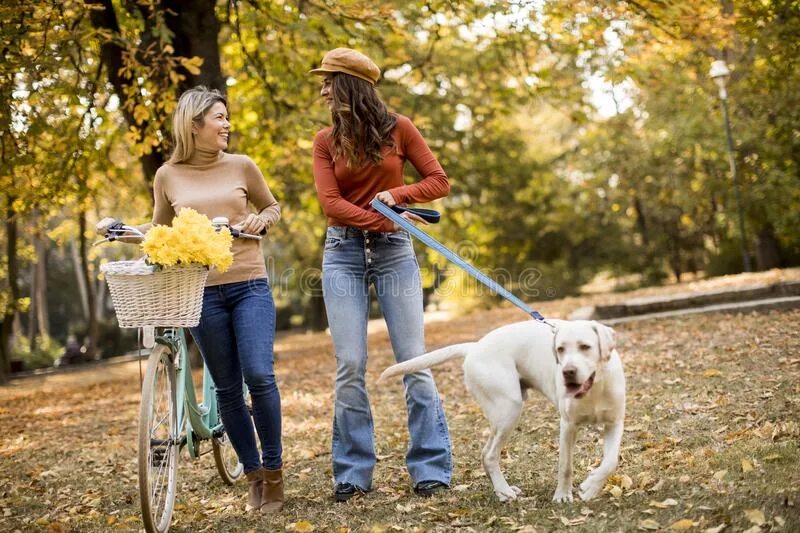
x: 344, y: 491
x: 429, y: 488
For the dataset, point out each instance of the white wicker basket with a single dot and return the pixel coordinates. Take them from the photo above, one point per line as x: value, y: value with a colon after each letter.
x: 144, y: 295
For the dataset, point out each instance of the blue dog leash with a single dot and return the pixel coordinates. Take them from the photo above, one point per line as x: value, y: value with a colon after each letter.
x: 433, y: 216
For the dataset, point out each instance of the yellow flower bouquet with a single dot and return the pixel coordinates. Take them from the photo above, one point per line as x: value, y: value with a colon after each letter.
x: 167, y: 288
x: 191, y: 239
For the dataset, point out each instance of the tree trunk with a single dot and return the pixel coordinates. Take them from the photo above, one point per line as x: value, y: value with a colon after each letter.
x: 91, y: 319
x: 13, y: 285
x: 76, y: 267
x: 33, y: 312
x: 768, y: 249
x: 101, y: 296
x: 111, y: 53
x: 38, y: 322
x: 641, y: 220
x: 196, y: 29
x: 675, y: 258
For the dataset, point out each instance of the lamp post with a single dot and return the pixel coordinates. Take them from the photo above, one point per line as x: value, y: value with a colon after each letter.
x: 719, y: 73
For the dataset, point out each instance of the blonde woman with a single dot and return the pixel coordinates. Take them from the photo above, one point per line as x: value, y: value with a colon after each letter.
x: 237, y: 325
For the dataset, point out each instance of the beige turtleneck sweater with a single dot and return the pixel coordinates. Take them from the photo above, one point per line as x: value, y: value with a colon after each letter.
x: 215, y: 184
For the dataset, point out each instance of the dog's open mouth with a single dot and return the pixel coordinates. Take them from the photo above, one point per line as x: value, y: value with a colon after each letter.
x: 579, y: 390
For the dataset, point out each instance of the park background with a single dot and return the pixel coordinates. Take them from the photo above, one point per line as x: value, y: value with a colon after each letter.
x: 581, y: 139
x: 587, y: 149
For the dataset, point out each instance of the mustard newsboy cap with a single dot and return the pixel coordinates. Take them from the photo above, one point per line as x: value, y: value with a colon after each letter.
x: 350, y: 62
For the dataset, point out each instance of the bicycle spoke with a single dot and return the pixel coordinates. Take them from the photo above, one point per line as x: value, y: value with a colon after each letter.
x: 163, y: 418
x: 161, y: 479
x: 159, y: 491
x: 161, y: 471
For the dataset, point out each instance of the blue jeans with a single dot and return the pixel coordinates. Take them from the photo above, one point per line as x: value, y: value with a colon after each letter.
x: 235, y: 336
x: 354, y: 259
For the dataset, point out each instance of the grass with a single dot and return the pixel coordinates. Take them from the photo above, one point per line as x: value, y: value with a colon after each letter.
x: 711, y: 440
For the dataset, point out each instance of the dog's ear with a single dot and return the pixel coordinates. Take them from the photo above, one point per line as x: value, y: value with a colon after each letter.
x: 607, y: 338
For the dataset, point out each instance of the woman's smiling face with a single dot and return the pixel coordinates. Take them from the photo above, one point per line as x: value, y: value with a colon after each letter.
x: 213, y: 133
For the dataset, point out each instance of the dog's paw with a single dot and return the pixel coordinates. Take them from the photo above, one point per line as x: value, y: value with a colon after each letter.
x: 509, y: 494
x: 589, y: 489
x: 563, y: 496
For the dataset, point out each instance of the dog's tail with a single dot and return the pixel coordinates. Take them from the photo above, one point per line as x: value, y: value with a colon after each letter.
x: 427, y: 360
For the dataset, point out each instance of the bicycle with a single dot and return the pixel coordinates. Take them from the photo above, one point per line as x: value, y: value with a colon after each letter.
x: 170, y: 417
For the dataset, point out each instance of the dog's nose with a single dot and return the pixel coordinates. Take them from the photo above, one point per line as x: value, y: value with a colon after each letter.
x: 569, y: 373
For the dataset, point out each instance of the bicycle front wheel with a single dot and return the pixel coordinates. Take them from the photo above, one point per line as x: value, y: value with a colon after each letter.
x: 159, y: 441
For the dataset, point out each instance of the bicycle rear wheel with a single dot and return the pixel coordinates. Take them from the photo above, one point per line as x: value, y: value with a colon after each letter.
x: 159, y: 441
x: 228, y: 465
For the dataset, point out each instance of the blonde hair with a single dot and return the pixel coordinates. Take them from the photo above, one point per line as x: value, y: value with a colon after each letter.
x: 192, y: 107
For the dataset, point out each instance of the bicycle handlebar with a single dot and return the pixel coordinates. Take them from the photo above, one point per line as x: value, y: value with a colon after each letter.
x: 118, y: 231
x: 222, y: 222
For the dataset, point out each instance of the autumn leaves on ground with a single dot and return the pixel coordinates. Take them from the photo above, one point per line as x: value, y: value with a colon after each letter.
x: 711, y: 442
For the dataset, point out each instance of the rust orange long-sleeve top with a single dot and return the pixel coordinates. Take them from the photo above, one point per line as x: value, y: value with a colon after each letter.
x: 345, y: 193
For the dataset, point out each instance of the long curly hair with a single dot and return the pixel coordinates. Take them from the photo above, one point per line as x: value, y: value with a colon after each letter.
x: 362, y: 126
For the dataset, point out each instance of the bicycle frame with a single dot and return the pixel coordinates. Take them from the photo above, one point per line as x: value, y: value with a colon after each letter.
x: 201, y: 419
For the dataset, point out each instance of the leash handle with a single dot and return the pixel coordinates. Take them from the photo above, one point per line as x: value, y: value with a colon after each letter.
x: 429, y: 241
x: 428, y: 215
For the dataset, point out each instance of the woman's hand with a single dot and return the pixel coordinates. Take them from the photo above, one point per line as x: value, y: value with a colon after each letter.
x: 411, y: 217
x: 101, y: 228
x: 386, y: 197
x: 252, y: 224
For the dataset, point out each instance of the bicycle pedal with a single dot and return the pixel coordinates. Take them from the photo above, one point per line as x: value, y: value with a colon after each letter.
x: 158, y: 455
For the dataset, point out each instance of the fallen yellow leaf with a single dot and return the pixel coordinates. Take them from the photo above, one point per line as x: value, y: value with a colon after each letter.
x: 302, y: 526
x: 747, y: 466
x: 711, y: 373
x: 573, y: 521
x: 650, y: 524
x: 682, y: 525
x: 755, y: 516
x: 716, y: 529
x: 615, y: 491
x: 669, y: 502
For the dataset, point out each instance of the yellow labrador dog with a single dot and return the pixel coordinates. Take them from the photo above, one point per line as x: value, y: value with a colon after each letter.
x: 575, y: 365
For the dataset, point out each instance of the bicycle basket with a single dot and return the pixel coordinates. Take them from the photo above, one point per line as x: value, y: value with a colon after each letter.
x: 144, y: 295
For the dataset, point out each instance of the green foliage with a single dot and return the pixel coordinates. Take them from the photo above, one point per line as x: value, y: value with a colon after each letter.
x: 43, y: 354
x: 504, y: 92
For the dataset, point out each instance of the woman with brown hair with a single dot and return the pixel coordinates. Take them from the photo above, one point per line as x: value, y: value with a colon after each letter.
x: 361, y: 157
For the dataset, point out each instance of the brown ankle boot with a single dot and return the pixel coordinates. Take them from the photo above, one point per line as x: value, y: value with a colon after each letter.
x: 272, y: 497
x: 255, y: 489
